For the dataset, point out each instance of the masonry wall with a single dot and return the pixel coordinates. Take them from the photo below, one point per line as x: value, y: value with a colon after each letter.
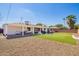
x: 69, y: 31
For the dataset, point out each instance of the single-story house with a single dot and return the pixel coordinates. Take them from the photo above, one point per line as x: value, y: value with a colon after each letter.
x: 25, y: 29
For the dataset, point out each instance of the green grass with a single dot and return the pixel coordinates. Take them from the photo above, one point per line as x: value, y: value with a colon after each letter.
x: 60, y: 37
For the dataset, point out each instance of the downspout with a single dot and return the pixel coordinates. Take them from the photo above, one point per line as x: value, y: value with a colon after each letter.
x: 22, y: 27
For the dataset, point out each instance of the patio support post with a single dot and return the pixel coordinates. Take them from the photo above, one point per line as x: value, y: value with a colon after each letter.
x: 5, y: 32
x: 25, y: 28
x: 22, y: 30
x: 46, y: 30
x: 41, y: 30
x: 32, y: 29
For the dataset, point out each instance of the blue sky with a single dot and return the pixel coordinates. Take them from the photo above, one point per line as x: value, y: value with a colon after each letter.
x: 49, y: 13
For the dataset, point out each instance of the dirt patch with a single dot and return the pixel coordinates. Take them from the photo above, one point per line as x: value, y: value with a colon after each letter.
x: 31, y: 46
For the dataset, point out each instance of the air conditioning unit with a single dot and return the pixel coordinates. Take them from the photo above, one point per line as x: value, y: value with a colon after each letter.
x: 27, y: 22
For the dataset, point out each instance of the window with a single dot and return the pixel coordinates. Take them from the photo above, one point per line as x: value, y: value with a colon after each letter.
x: 28, y: 28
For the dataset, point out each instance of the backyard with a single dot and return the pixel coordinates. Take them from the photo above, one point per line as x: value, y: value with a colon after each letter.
x: 39, y: 46
x: 60, y: 37
x: 39, y: 29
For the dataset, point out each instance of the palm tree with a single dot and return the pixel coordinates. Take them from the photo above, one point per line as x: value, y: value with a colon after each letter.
x: 71, y: 20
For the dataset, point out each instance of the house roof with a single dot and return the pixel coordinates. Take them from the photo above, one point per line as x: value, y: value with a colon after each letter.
x: 24, y: 25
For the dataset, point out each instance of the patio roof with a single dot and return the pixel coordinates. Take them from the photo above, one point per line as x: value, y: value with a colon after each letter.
x: 16, y: 25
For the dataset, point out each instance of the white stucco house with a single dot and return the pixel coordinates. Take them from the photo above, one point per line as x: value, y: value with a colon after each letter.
x: 22, y: 29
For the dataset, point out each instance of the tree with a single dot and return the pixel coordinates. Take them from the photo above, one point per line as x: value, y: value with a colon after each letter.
x: 76, y: 26
x: 40, y: 24
x: 64, y: 27
x: 51, y: 26
x: 59, y: 25
x: 71, y: 20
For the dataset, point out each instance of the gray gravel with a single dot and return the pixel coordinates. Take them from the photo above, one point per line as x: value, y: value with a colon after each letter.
x: 31, y: 46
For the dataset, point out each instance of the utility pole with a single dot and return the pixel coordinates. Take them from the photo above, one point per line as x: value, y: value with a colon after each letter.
x: 9, y: 9
x: 0, y: 17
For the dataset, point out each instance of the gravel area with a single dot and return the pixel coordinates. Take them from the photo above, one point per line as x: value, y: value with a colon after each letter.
x: 31, y: 46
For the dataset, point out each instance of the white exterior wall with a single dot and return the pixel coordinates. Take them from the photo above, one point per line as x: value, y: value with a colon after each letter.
x: 5, y: 29
x: 10, y: 31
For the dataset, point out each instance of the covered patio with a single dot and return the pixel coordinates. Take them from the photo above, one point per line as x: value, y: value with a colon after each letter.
x: 21, y: 30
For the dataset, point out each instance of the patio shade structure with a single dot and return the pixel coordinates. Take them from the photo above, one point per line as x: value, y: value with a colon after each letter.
x: 14, y: 28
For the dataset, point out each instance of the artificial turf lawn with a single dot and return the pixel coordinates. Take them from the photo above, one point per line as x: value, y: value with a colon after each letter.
x: 61, y: 37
